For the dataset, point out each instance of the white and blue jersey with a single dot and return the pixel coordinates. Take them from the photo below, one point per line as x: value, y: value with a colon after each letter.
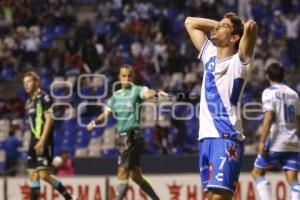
x: 221, y: 133
x: 222, y: 86
x: 283, y: 142
x: 284, y: 103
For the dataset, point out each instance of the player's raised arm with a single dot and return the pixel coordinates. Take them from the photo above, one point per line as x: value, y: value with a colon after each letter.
x: 197, y: 28
x: 248, y: 41
x: 100, y: 119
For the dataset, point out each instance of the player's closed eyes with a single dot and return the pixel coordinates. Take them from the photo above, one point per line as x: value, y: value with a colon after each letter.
x: 225, y: 26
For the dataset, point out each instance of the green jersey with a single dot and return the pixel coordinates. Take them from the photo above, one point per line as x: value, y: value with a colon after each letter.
x: 125, y: 105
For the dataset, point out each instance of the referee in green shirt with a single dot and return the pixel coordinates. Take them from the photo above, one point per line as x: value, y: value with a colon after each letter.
x: 125, y: 104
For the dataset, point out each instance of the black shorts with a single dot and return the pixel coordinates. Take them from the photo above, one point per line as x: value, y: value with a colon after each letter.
x: 130, y: 146
x: 37, y: 162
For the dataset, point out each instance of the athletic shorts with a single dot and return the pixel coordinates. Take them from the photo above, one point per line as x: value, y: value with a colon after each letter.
x: 285, y: 160
x: 37, y: 162
x: 220, y: 163
x: 131, y: 146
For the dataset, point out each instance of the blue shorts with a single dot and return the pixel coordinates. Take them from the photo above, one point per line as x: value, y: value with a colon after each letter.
x: 285, y: 160
x: 220, y: 163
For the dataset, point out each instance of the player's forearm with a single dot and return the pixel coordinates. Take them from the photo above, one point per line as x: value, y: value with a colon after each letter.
x: 102, y: 117
x: 201, y: 24
x: 248, y: 41
x: 266, y: 130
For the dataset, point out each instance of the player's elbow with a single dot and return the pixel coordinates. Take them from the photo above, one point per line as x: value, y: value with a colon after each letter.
x: 188, y: 22
x: 251, y: 26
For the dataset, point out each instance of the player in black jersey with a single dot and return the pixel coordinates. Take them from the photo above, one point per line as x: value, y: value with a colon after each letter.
x: 39, y: 113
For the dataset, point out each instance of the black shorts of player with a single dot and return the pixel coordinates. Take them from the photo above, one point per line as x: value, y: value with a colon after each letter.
x: 131, y: 146
x: 39, y: 162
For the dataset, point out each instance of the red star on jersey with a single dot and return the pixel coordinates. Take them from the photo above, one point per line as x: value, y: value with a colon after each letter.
x: 232, y: 153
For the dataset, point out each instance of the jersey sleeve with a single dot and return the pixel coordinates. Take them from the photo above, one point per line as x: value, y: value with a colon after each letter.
x: 207, y: 51
x: 267, y: 100
x: 143, y: 89
x: 46, y: 103
x: 241, y: 67
x: 138, y: 91
x: 110, y: 104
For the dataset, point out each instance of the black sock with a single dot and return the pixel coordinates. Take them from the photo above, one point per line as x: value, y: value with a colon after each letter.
x: 147, y: 188
x: 35, y: 190
x: 62, y: 190
x: 122, y: 189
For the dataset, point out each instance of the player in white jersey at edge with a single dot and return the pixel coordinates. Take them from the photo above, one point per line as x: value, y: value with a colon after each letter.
x: 279, y: 142
x: 226, y: 56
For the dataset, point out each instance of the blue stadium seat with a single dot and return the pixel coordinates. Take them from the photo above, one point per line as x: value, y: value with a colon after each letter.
x: 59, y: 30
x: 47, y: 31
x: 110, y: 152
x: 83, y: 138
x: 47, y: 42
x: 149, y: 139
x: 7, y: 73
x: 46, y: 83
x: 97, y: 132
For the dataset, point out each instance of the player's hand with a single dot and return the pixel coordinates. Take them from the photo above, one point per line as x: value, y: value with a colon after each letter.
x: 261, y: 149
x: 39, y: 147
x: 162, y: 94
x: 91, y: 126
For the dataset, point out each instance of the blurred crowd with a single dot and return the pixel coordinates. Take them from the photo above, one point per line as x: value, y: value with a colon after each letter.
x: 62, y: 39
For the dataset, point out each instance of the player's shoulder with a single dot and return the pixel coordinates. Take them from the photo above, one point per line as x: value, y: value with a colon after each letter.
x: 292, y: 93
x: 269, y: 91
x: 236, y: 59
x: 139, y: 86
x: 207, y: 50
x: 44, y: 96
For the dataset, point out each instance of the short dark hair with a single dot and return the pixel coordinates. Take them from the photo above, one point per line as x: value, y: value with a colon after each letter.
x: 32, y: 74
x: 275, y: 71
x: 238, y: 26
x: 126, y: 66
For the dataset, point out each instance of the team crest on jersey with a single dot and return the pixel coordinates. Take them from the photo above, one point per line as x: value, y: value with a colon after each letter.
x: 210, y: 65
x: 233, y: 153
x: 46, y: 98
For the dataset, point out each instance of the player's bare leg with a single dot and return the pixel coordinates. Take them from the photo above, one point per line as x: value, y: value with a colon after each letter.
x: 262, y: 184
x: 45, y: 175
x: 292, y: 179
x: 216, y: 194
x: 122, y: 187
x: 138, y: 178
x: 34, y: 185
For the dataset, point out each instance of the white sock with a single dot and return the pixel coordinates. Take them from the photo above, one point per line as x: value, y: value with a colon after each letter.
x: 264, y: 188
x: 295, y: 193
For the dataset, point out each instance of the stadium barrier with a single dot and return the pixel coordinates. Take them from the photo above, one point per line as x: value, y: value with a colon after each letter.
x: 169, y: 187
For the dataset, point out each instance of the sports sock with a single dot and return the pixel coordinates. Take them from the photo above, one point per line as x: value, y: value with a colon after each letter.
x: 263, y: 187
x: 295, y: 191
x: 147, y: 188
x: 61, y: 189
x: 35, y: 187
x: 122, y: 189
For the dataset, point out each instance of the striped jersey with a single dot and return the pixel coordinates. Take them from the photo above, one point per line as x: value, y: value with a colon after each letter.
x: 222, y: 86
